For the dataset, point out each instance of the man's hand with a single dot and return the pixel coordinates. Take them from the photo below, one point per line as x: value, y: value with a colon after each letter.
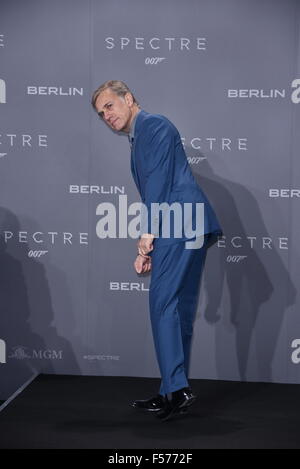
x: 145, y: 244
x: 142, y: 264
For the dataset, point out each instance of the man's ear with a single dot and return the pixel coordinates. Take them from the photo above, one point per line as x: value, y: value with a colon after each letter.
x: 128, y: 99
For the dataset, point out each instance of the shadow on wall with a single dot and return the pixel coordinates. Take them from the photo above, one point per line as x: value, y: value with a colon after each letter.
x: 26, y: 316
x: 259, y: 287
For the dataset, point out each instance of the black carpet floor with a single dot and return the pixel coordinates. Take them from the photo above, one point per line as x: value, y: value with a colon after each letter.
x: 94, y: 412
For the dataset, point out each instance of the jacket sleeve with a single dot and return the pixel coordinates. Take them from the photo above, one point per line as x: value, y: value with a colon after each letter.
x: 158, y: 157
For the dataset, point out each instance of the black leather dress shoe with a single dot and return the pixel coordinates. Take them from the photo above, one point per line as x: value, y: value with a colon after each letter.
x: 150, y: 405
x: 181, y: 400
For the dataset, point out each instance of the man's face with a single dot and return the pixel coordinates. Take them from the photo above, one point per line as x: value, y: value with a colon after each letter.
x: 115, y: 110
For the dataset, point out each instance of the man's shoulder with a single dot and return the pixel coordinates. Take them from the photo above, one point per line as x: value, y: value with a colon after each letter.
x: 150, y: 122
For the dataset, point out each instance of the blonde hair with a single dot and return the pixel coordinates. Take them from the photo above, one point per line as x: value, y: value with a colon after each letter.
x: 118, y: 87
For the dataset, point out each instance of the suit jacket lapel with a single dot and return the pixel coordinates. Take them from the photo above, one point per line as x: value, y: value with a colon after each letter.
x: 134, y: 156
x: 133, y: 166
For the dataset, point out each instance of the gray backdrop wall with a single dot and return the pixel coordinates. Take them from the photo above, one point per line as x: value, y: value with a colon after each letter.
x: 227, y: 73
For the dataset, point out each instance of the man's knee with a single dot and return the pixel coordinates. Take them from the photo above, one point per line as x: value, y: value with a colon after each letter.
x: 162, y: 304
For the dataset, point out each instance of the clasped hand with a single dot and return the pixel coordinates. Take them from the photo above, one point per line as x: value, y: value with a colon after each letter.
x: 142, y: 263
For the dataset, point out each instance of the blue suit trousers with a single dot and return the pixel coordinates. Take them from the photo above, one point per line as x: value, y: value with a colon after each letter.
x: 173, y: 297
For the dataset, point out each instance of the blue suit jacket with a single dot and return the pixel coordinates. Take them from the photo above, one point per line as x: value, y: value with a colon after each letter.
x: 162, y: 173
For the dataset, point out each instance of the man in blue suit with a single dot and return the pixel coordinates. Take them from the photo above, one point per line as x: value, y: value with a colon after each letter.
x: 172, y: 245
